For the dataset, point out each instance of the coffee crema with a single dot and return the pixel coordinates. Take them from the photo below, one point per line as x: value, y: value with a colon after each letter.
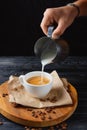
x: 38, y: 80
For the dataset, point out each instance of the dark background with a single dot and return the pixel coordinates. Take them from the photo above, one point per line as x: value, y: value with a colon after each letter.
x: 20, y: 27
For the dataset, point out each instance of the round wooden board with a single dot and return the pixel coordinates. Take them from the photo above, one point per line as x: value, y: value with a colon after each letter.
x: 23, y: 115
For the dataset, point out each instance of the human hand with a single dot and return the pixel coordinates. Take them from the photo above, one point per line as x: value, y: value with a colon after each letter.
x: 62, y: 16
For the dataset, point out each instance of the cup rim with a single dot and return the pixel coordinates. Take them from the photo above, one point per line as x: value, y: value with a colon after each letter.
x: 34, y: 72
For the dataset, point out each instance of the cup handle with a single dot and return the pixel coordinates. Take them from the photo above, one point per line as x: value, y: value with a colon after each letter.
x: 21, y: 79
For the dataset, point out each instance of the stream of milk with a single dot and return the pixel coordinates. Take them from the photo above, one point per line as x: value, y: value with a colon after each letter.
x: 44, y: 62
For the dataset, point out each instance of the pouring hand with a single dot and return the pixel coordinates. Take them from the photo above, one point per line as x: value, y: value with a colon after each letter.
x: 62, y: 16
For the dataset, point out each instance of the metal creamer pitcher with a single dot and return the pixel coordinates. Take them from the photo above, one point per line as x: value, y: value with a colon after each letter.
x: 51, y: 50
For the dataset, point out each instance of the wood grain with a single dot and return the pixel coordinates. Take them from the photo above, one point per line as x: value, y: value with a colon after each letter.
x: 23, y: 115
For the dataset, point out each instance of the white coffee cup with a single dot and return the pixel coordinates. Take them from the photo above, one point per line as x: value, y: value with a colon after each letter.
x: 38, y: 91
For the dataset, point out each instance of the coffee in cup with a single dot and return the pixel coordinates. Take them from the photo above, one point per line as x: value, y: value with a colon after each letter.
x: 38, y: 80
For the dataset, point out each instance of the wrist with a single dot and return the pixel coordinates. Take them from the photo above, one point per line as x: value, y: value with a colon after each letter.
x: 75, y: 7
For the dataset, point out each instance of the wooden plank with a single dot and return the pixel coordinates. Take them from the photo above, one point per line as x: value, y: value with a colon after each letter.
x: 24, y: 115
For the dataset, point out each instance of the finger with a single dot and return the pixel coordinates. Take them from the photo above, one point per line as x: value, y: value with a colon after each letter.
x: 44, y: 25
x: 59, y: 30
x: 46, y: 22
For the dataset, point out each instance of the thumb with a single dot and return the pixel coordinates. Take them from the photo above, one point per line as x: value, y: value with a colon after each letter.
x: 58, y: 31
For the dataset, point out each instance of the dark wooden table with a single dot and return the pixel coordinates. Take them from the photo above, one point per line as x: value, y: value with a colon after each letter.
x: 73, y: 68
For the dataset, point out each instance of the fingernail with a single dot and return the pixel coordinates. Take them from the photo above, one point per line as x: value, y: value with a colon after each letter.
x: 55, y: 36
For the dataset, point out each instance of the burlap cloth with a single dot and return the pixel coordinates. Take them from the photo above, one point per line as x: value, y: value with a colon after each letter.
x: 58, y: 95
